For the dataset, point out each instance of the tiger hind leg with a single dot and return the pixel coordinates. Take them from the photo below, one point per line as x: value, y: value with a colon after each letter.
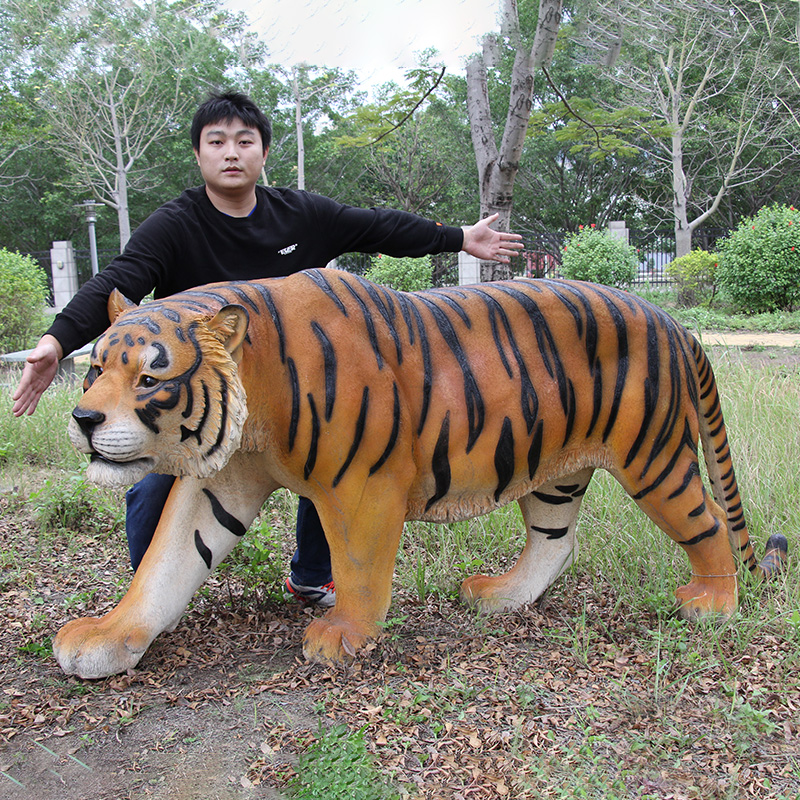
x: 691, y: 518
x: 550, y: 514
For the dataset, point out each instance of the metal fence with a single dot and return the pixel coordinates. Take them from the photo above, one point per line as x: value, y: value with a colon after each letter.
x: 655, y: 248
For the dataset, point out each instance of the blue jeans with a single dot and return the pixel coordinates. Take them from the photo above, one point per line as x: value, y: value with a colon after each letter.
x: 311, y: 563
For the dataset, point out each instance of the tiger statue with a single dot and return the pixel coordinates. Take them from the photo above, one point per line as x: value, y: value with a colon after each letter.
x: 382, y: 406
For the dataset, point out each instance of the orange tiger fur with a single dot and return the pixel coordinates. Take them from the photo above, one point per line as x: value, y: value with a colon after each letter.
x: 382, y: 406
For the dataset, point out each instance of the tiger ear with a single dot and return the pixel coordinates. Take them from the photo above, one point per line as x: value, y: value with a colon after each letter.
x: 117, y: 303
x: 230, y: 326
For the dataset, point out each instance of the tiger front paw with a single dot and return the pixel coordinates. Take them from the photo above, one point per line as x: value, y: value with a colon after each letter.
x: 708, y: 597
x: 94, y: 647
x: 335, y: 640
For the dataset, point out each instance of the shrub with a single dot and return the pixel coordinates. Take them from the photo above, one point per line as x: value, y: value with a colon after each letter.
x: 23, y: 295
x: 404, y: 274
x: 592, y: 255
x: 760, y: 261
x: 694, y: 276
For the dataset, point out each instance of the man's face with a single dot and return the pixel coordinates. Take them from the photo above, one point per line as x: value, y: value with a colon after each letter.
x: 230, y: 156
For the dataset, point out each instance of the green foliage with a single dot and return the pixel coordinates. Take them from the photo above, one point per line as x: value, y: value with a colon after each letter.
x: 593, y: 255
x: 404, y: 274
x: 374, y: 121
x: 585, y: 127
x: 760, y: 261
x: 694, y: 276
x: 70, y: 503
x: 257, y: 565
x: 338, y: 766
x: 23, y: 295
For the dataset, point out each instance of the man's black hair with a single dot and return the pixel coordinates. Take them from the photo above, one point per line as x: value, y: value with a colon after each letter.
x: 226, y: 107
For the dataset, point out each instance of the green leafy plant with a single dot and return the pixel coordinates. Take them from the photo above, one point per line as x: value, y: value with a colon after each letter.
x: 404, y: 274
x: 760, y: 261
x: 257, y: 565
x: 23, y: 295
x: 694, y: 276
x: 338, y: 766
x: 71, y: 503
x: 596, y: 256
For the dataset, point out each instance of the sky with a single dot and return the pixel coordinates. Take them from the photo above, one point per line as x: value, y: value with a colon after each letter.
x: 376, y: 38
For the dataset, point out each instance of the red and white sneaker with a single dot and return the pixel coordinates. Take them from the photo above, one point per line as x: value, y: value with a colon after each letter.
x: 323, y: 596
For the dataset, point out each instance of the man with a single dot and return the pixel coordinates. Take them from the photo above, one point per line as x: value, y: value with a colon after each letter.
x: 233, y: 229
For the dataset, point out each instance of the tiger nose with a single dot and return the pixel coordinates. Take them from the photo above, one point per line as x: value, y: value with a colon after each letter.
x: 87, y: 420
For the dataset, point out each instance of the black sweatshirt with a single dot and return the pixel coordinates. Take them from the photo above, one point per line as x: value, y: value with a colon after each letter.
x: 188, y: 242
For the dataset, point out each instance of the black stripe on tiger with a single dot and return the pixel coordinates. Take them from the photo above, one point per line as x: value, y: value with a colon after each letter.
x: 321, y: 281
x: 666, y: 434
x: 651, y: 389
x: 691, y: 473
x: 144, y: 319
x: 476, y: 411
x: 552, y: 499
x: 369, y: 321
x: 621, y: 329
x: 590, y: 342
x: 294, y: 384
x: 685, y: 441
x: 529, y: 400
x: 552, y: 533
x: 201, y: 423
x: 704, y: 535
x: 223, y: 404
x: 535, y: 450
x: 405, y: 309
x: 494, y: 313
x: 392, y: 436
x: 386, y: 310
x: 545, y: 341
x: 224, y: 517
x: 440, y: 464
x: 161, y: 361
x: 203, y: 549
x: 504, y: 458
x: 427, y: 368
x: 357, y: 436
x: 329, y: 367
x: 266, y: 296
x: 311, y: 457
x: 237, y: 288
x: 445, y: 296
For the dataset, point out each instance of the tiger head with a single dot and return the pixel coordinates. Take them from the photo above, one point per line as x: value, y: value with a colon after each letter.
x: 163, y: 393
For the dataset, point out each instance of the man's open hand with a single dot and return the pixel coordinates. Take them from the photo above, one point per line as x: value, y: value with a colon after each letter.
x: 41, y: 367
x: 488, y: 244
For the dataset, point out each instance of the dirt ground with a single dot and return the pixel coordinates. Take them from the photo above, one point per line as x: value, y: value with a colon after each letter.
x: 453, y: 705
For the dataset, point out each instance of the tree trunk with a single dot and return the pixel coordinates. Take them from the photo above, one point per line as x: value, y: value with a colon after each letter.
x: 120, y: 192
x: 298, y: 126
x: 680, y: 198
x: 498, y: 166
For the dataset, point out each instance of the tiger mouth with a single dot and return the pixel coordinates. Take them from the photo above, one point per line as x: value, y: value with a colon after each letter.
x: 146, y: 463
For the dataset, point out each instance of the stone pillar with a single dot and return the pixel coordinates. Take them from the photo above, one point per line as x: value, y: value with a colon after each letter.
x: 65, y: 273
x: 469, y: 269
x: 619, y: 230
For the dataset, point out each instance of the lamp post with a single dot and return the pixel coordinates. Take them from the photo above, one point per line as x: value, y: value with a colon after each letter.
x: 91, y: 218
